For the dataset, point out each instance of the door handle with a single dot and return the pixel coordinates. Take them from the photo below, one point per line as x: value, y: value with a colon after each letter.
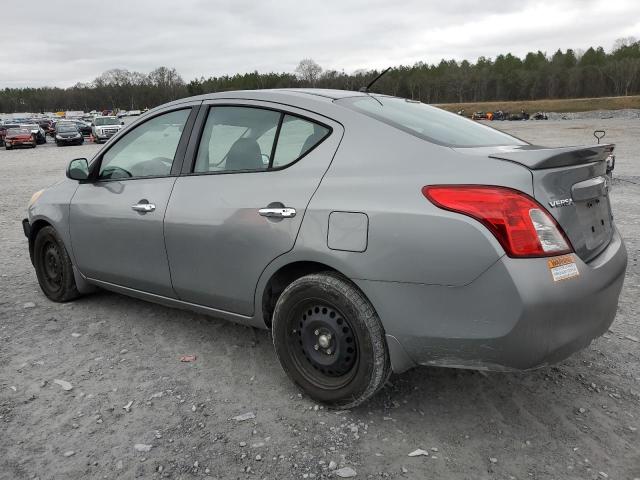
x: 282, y: 212
x: 143, y: 207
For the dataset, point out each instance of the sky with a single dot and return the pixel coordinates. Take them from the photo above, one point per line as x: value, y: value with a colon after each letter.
x: 70, y: 41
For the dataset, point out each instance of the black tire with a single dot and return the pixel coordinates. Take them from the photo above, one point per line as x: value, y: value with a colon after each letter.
x: 53, y: 267
x: 7, y: 147
x: 355, y: 364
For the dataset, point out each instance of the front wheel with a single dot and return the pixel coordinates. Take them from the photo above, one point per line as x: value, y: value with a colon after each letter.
x: 53, y: 266
x: 329, y: 340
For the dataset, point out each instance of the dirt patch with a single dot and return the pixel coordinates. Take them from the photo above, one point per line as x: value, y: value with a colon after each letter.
x: 550, y: 105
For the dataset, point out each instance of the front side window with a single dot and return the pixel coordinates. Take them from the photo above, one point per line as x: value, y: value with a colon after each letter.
x: 146, y: 151
x: 242, y: 139
x: 429, y: 123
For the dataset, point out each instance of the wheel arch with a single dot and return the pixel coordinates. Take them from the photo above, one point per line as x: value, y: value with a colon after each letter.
x: 283, y: 277
x: 285, y: 273
x: 38, y: 225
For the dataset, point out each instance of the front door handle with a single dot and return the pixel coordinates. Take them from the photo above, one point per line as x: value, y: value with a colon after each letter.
x: 281, y: 212
x: 143, y: 207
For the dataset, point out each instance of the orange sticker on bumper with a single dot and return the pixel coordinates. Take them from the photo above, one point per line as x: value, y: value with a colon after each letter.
x: 562, y: 268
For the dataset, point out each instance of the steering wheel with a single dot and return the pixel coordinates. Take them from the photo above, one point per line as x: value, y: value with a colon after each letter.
x: 109, y: 171
x: 154, y: 166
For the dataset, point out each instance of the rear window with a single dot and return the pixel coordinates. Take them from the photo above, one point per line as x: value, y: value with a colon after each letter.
x: 429, y: 123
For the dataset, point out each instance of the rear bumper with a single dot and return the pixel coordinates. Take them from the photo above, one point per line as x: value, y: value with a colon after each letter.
x: 512, y: 317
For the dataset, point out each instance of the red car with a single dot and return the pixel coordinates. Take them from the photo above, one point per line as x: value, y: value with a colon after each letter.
x: 19, y: 137
x: 3, y: 131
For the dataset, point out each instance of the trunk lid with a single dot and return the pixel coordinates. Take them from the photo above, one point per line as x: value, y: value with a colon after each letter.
x: 572, y: 183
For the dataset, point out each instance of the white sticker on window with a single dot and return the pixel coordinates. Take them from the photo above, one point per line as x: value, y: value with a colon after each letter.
x: 562, y: 268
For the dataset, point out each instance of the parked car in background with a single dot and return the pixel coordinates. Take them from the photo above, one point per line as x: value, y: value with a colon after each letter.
x: 83, y: 127
x: 68, y: 134
x: 37, y: 132
x: 47, y: 126
x: 3, y: 131
x: 103, y: 128
x: 370, y: 233
x: 19, y: 137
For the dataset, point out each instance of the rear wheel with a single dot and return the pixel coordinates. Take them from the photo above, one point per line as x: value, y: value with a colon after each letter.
x: 330, y: 341
x: 53, y: 266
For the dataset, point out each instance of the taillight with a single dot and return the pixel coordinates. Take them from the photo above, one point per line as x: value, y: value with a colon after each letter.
x: 522, y: 226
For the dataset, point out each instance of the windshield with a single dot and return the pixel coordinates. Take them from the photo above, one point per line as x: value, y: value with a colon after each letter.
x: 18, y: 131
x: 106, y: 121
x: 429, y: 123
x: 67, y: 128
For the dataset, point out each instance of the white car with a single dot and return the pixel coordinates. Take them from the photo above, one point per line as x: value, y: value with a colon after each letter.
x: 37, y: 131
x: 103, y: 128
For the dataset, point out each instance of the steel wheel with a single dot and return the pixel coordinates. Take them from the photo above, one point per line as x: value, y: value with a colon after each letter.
x: 53, y: 266
x: 322, y: 343
x: 329, y: 340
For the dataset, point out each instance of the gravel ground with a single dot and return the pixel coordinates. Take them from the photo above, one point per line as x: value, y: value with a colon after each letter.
x: 627, y: 113
x: 577, y: 420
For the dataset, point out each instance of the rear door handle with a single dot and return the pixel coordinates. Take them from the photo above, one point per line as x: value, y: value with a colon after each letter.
x: 282, y: 212
x: 143, y: 207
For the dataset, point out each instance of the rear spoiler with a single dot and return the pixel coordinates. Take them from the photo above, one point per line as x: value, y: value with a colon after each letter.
x: 538, y: 158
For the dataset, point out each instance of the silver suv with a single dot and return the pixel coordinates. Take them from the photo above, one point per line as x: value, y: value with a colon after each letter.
x: 103, y: 128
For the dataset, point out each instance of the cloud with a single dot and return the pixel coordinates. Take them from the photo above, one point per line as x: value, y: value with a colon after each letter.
x: 77, y: 40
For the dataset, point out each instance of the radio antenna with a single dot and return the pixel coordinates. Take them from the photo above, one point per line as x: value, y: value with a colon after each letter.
x: 366, y: 89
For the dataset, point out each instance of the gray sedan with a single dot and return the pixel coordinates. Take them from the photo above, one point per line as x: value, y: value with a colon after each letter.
x: 370, y: 233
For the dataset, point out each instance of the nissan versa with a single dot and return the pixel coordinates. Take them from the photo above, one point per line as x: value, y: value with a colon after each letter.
x: 370, y: 233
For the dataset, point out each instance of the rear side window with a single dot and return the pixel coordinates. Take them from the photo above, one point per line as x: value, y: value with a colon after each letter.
x: 429, y: 123
x: 237, y: 138
x: 240, y: 139
x: 297, y: 137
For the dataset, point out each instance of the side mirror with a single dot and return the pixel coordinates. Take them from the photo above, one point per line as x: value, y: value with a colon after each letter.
x: 122, y: 122
x: 92, y: 124
x: 78, y: 169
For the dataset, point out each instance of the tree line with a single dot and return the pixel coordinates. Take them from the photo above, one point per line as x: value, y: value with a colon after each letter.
x: 114, y: 89
x: 565, y: 74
